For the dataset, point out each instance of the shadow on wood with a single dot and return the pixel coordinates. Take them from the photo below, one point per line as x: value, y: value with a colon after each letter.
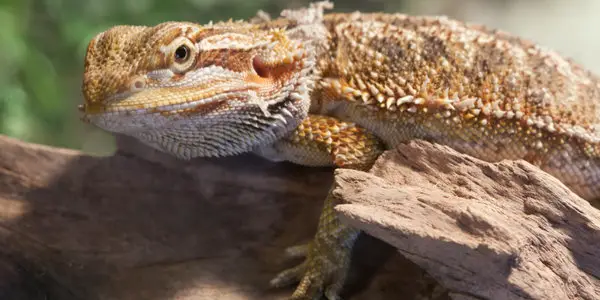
x: 148, y: 226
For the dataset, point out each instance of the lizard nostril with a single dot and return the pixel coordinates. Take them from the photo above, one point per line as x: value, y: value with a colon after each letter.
x: 137, y: 85
x: 260, y: 67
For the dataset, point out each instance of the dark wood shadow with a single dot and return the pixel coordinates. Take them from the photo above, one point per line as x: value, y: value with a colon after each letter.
x: 143, y: 225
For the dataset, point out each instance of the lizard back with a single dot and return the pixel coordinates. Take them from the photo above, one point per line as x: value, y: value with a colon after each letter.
x: 483, y: 92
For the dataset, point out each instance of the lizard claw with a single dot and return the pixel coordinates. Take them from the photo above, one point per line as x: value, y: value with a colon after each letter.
x: 314, y: 285
x: 288, y: 276
x: 292, y: 275
x: 322, y: 273
x: 311, y: 284
x: 318, y: 276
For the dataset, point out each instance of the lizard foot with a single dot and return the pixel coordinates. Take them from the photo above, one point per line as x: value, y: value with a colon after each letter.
x: 317, y: 275
x: 323, y: 271
x: 292, y: 275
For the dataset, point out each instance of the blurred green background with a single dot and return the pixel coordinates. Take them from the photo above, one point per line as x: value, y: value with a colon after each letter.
x: 43, y: 42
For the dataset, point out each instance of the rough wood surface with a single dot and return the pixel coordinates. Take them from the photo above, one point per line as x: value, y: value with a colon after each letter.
x: 485, y: 231
x: 142, y: 225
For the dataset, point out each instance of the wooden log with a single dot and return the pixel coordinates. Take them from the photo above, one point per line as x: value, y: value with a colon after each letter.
x: 503, y: 230
x: 143, y: 225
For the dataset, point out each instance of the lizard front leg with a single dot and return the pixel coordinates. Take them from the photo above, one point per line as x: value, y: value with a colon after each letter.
x: 325, y: 141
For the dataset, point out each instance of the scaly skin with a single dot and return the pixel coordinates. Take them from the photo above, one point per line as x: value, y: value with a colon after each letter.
x: 338, y: 90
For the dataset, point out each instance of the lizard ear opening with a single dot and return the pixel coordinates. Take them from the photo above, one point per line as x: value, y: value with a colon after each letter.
x: 260, y: 67
x: 272, y: 71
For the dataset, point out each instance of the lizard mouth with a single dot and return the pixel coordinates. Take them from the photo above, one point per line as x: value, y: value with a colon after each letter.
x: 147, y: 102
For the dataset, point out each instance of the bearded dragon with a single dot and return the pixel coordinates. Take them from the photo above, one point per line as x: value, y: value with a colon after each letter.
x: 337, y: 90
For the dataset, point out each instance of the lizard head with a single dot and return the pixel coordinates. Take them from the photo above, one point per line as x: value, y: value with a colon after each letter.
x: 194, y: 90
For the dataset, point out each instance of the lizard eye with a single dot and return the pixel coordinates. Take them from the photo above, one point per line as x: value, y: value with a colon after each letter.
x: 183, y: 55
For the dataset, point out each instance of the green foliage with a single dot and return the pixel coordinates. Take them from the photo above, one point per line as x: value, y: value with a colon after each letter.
x: 43, y: 43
